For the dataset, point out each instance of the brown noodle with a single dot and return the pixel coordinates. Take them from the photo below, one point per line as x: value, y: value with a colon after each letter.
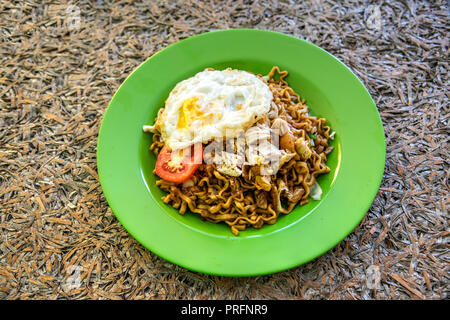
x: 239, y: 201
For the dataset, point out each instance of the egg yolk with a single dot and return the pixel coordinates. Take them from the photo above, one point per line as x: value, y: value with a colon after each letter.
x: 189, y: 112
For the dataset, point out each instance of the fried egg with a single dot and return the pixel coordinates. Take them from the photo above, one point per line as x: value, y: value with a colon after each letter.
x: 212, y: 104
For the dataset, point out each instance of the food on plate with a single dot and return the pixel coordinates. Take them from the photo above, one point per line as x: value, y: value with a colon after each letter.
x: 238, y: 148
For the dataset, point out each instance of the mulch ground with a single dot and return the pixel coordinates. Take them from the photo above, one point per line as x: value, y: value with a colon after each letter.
x: 60, y: 240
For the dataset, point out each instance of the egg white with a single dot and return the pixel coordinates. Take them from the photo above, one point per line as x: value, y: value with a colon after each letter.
x: 212, y: 104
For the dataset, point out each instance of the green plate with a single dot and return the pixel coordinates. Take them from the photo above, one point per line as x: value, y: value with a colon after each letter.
x: 331, y: 90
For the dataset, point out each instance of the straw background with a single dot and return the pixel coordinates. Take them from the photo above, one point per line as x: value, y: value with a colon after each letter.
x: 60, y: 240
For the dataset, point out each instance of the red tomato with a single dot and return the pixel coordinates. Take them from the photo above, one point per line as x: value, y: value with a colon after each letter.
x: 180, y: 165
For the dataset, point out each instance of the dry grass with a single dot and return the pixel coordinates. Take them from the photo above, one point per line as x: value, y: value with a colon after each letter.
x: 59, y: 239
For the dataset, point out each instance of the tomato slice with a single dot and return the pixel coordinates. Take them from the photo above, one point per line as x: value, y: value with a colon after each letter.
x: 178, y: 165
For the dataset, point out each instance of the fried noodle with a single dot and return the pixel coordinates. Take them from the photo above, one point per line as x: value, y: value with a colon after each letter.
x: 241, y: 201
